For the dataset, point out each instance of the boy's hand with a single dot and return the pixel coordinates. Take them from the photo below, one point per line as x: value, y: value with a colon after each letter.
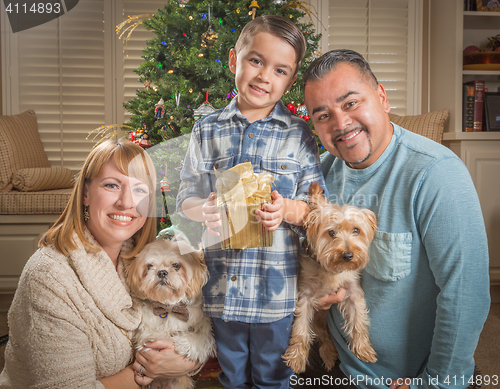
x: 271, y: 215
x: 211, y: 215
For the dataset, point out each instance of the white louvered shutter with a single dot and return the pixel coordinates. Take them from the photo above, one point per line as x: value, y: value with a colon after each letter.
x: 386, y: 33
x: 59, y: 72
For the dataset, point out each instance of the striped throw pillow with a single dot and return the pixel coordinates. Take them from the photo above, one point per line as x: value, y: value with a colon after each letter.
x: 38, y: 179
x: 20, y: 145
x: 430, y: 125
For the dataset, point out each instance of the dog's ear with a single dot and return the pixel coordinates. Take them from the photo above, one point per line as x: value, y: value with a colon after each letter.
x: 372, y: 221
x: 312, y: 224
x: 199, y: 276
x: 201, y: 254
x: 134, y: 272
x: 316, y: 196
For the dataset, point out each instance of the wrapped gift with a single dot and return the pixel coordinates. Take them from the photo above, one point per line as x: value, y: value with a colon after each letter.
x: 240, y: 192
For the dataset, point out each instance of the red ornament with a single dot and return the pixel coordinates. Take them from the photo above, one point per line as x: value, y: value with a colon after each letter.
x: 292, y: 108
x: 306, y: 118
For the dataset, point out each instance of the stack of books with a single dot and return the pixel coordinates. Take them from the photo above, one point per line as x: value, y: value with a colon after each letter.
x: 473, y: 106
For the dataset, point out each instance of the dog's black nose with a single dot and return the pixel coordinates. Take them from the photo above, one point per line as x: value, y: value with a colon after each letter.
x: 347, y: 256
x: 162, y: 274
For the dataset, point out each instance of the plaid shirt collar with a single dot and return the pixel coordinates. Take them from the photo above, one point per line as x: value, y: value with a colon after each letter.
x: 279, y: 113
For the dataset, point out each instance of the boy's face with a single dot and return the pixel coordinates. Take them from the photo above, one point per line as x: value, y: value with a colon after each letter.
x: 264, y: 69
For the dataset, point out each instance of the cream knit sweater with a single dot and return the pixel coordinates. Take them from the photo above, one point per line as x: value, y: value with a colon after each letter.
x: 68, y: 321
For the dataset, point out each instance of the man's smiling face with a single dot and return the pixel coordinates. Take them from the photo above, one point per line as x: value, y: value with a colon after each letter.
x: 349, y: 113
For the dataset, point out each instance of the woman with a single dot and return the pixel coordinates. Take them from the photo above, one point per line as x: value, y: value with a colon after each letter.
x: 72, y: 316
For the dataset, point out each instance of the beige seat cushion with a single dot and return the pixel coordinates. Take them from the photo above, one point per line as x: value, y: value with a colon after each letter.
x: 20, y: 145
x: 34, y: 203
x: 42, y: 178
x: 430, y: 125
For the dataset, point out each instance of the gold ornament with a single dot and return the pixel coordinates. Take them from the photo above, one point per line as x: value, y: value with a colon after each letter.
x: 134, y: 23
x: 253, y: 8
x: 109, y: 131
x: 208, y: 38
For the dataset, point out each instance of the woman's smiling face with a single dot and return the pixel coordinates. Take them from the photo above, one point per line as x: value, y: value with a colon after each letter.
x: 118, y: 206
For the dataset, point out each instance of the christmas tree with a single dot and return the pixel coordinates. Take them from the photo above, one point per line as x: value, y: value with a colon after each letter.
x: 185, y: 72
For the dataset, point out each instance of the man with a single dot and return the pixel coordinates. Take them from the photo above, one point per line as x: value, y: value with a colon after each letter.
x: 426, y: 284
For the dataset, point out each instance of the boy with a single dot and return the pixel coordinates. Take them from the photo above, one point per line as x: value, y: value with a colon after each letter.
x: 251, y: 293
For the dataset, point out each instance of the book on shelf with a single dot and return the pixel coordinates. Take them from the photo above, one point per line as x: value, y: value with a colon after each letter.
x: 470, y: 5
x: 469, y: 93
x: 478, y: 103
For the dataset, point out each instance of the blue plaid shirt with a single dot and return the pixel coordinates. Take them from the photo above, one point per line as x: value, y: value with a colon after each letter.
x: 256, y: 285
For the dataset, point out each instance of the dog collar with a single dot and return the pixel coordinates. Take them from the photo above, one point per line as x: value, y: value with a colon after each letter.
x: 180, y: 311
x: 308, y: 249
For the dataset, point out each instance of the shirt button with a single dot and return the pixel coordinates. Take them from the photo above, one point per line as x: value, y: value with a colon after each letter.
x: 250, y: 136
x: 283, y: 167
x: 216, y: 166
x: 233, y: 278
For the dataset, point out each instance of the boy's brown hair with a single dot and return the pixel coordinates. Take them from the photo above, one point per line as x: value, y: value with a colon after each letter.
x: 278, y: 26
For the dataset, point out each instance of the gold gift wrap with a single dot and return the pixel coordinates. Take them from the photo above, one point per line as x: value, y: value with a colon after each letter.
x: 240, y: 192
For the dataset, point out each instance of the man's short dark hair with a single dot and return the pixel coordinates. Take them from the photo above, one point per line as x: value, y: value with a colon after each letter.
x: 323, y: 65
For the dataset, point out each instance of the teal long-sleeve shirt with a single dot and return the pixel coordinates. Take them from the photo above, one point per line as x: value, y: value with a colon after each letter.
x: 427, y: 283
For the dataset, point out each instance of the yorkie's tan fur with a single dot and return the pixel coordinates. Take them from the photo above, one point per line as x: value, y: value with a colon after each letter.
x: 338, y: 239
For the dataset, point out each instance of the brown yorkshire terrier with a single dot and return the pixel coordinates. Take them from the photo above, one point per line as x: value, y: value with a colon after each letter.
x: 336, y: 251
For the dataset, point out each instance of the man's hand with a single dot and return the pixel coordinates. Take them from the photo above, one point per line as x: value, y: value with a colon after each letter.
x: 336, y: 297
x: 211, y: 215
x: 271, y: 215
x: 399, y: 384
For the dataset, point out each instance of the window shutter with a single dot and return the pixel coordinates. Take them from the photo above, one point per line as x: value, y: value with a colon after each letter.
x: 384, y: 32
x: 60, y: 74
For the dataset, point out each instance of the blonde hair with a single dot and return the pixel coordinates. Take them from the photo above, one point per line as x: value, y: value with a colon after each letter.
x: 60, y: 235
x: 278, y: 26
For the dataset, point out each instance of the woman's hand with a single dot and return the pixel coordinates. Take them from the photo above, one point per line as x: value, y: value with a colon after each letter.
x: 159, y: 359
